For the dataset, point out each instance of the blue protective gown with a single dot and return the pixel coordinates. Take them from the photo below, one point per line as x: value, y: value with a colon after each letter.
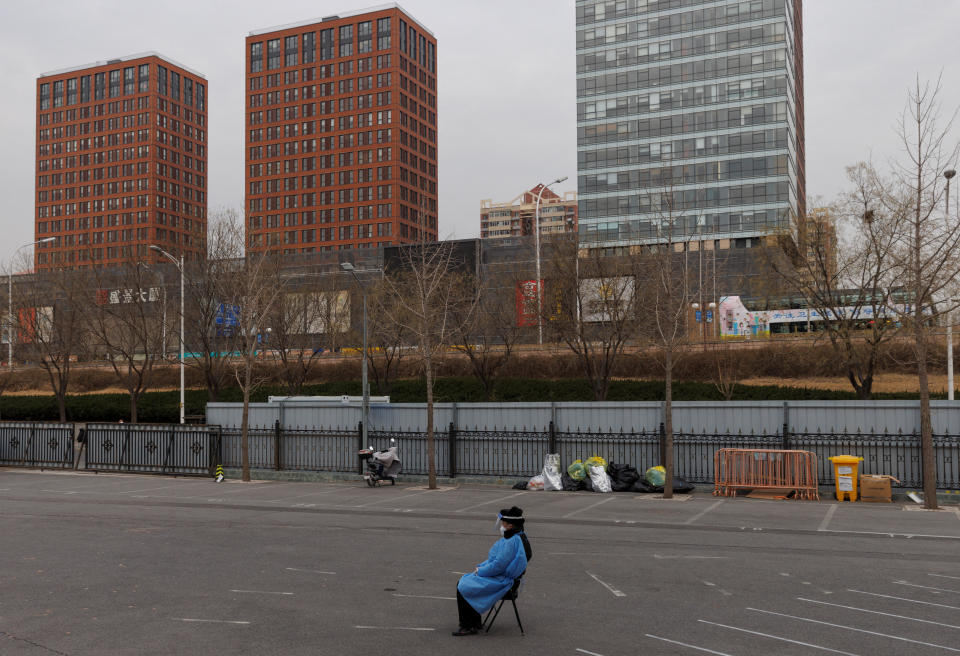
x: 506, y: 561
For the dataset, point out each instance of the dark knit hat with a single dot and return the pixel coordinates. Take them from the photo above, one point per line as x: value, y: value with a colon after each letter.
x: 512, y: 515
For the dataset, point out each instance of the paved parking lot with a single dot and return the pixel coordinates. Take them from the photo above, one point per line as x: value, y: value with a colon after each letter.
x: 104, y: 564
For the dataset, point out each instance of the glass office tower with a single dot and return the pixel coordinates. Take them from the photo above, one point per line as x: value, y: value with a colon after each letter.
x: 689, y: 120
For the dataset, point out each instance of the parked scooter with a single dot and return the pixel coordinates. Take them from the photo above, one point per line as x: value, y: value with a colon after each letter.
x: 381, y: 465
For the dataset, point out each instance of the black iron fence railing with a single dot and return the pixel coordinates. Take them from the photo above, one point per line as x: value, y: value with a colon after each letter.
x: 198, y: 450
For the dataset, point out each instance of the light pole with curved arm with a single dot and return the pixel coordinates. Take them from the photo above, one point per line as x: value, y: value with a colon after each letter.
x: 179, y: 265
x: 46, y: 240
x: 537, y: 240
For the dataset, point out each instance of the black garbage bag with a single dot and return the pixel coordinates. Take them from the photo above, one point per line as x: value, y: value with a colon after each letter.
x: 680, y: 486
x: 622, y: 476
x: 522, y: 485
x: 587, y: 484
x: 570, y: 485
x: 643, y: 487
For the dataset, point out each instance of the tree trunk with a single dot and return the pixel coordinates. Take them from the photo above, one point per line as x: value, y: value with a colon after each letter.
x: 668, y: 424
x: 431, y: 446
x: 244, y: 427
x: 927, y: 456
x: 62, y: 405
x: 133, y: 407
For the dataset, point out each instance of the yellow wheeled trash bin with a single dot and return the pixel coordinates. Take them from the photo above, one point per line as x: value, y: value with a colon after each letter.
x: 845, y: 475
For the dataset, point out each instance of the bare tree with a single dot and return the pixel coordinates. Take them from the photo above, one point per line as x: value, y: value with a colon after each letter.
x: 728, y: 368
x: 125, y: 326
x: 590, y: 306
x: 927, y: 249
x: 487, y: 331
x: 426, y: 287
x: 209, y: 321
x: 664, y: 277
x: 841, y: 263
x: 252, y: 292
x: 387, y: 338
x: 300, y: 316
x: 52, y: 325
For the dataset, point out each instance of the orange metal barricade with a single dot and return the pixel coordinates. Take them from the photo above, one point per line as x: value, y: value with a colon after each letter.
x: 759, y: 469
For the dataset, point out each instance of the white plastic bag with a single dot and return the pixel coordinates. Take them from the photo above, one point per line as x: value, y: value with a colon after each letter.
x: 536, y: 483
x: 600, y: 479
x: 551, y: 472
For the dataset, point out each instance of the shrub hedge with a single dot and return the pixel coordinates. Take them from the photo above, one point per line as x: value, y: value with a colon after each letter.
x: 161, y: 407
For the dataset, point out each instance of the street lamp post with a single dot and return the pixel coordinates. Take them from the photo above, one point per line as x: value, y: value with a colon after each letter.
x: 949, y: 174
x: 365, y: 384
x: 179, y: 265
x: 10, y: 299
x: 536, y: 232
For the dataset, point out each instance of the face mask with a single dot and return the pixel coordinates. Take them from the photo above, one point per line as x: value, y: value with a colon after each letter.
x: 502, y: 530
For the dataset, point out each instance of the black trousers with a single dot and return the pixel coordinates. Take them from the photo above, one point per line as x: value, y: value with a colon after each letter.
x: 469, y: 618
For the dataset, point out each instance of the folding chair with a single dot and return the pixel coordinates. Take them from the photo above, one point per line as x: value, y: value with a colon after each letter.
x: 510, y: 596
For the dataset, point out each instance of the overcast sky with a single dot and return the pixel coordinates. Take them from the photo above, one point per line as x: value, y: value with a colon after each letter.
x: 506, y: 73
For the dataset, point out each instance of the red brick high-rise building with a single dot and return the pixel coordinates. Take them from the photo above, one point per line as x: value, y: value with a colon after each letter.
x: 121, y: 162
x: 341, y: 133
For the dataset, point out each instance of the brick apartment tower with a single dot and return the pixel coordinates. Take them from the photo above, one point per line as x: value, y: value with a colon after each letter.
x: 121, y: 162
x: 341, y: 138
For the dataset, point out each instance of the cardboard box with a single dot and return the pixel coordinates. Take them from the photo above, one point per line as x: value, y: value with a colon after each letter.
x: 875, y: 488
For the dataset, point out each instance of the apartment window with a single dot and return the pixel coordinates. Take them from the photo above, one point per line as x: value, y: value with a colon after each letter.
x: 256, y: 57
x: 72, y: 91
x: 115, y: 83
x: 161, y: 80
x: 174, y: 85
x: 326, y: 44
x: 403, y: 36
x: 58, y: 93
x: 412, y: 45
x: 188, y: 91
x: 45, y: 96
x: 346, y: 40
x: 273, y: 54
x: 423, y: 51
x: 364, y: 37
x: 129, y: 80
x: 290, y: 51
x: 432, y: 58
x: 383, y: 33
x: 309, y: 47
x: 201, y: 99
x: 84, y: 88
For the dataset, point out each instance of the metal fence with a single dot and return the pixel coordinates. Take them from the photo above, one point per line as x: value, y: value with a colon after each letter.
x: 153, y: 448
x: 510, y: 453
x: 36, y: 444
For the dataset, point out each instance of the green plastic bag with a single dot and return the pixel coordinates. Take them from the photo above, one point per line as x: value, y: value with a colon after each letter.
x: 596, y: 461
x: 576, y: 470
x: 656, y: 476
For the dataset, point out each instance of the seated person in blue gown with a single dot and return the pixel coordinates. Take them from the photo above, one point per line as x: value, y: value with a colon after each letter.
x: 479, y: 591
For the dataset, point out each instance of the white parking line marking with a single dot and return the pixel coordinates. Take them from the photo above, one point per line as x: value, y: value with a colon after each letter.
x: 877, y: 612
x: 477, y: 505
x: 926, y: 587
x: 720, y: 590
x: 616, y: 593
x: 395, y: 594
x: 312, y: 571
x: 659, y: 557
x: 913, y: 601
x: 590, y: 653
x: 944, y: 576
x: 394, y: 628
x: 826, y: 520
x: 852, y: 628
x: 262, y: 592
x: 704, y: 511
x: 188, y: 619
x: 683, y: 644
x: 895, y: 535
x: 767, y: 635
x: 586, y: 508
x: 392, y: 499
x: 59, y: 491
